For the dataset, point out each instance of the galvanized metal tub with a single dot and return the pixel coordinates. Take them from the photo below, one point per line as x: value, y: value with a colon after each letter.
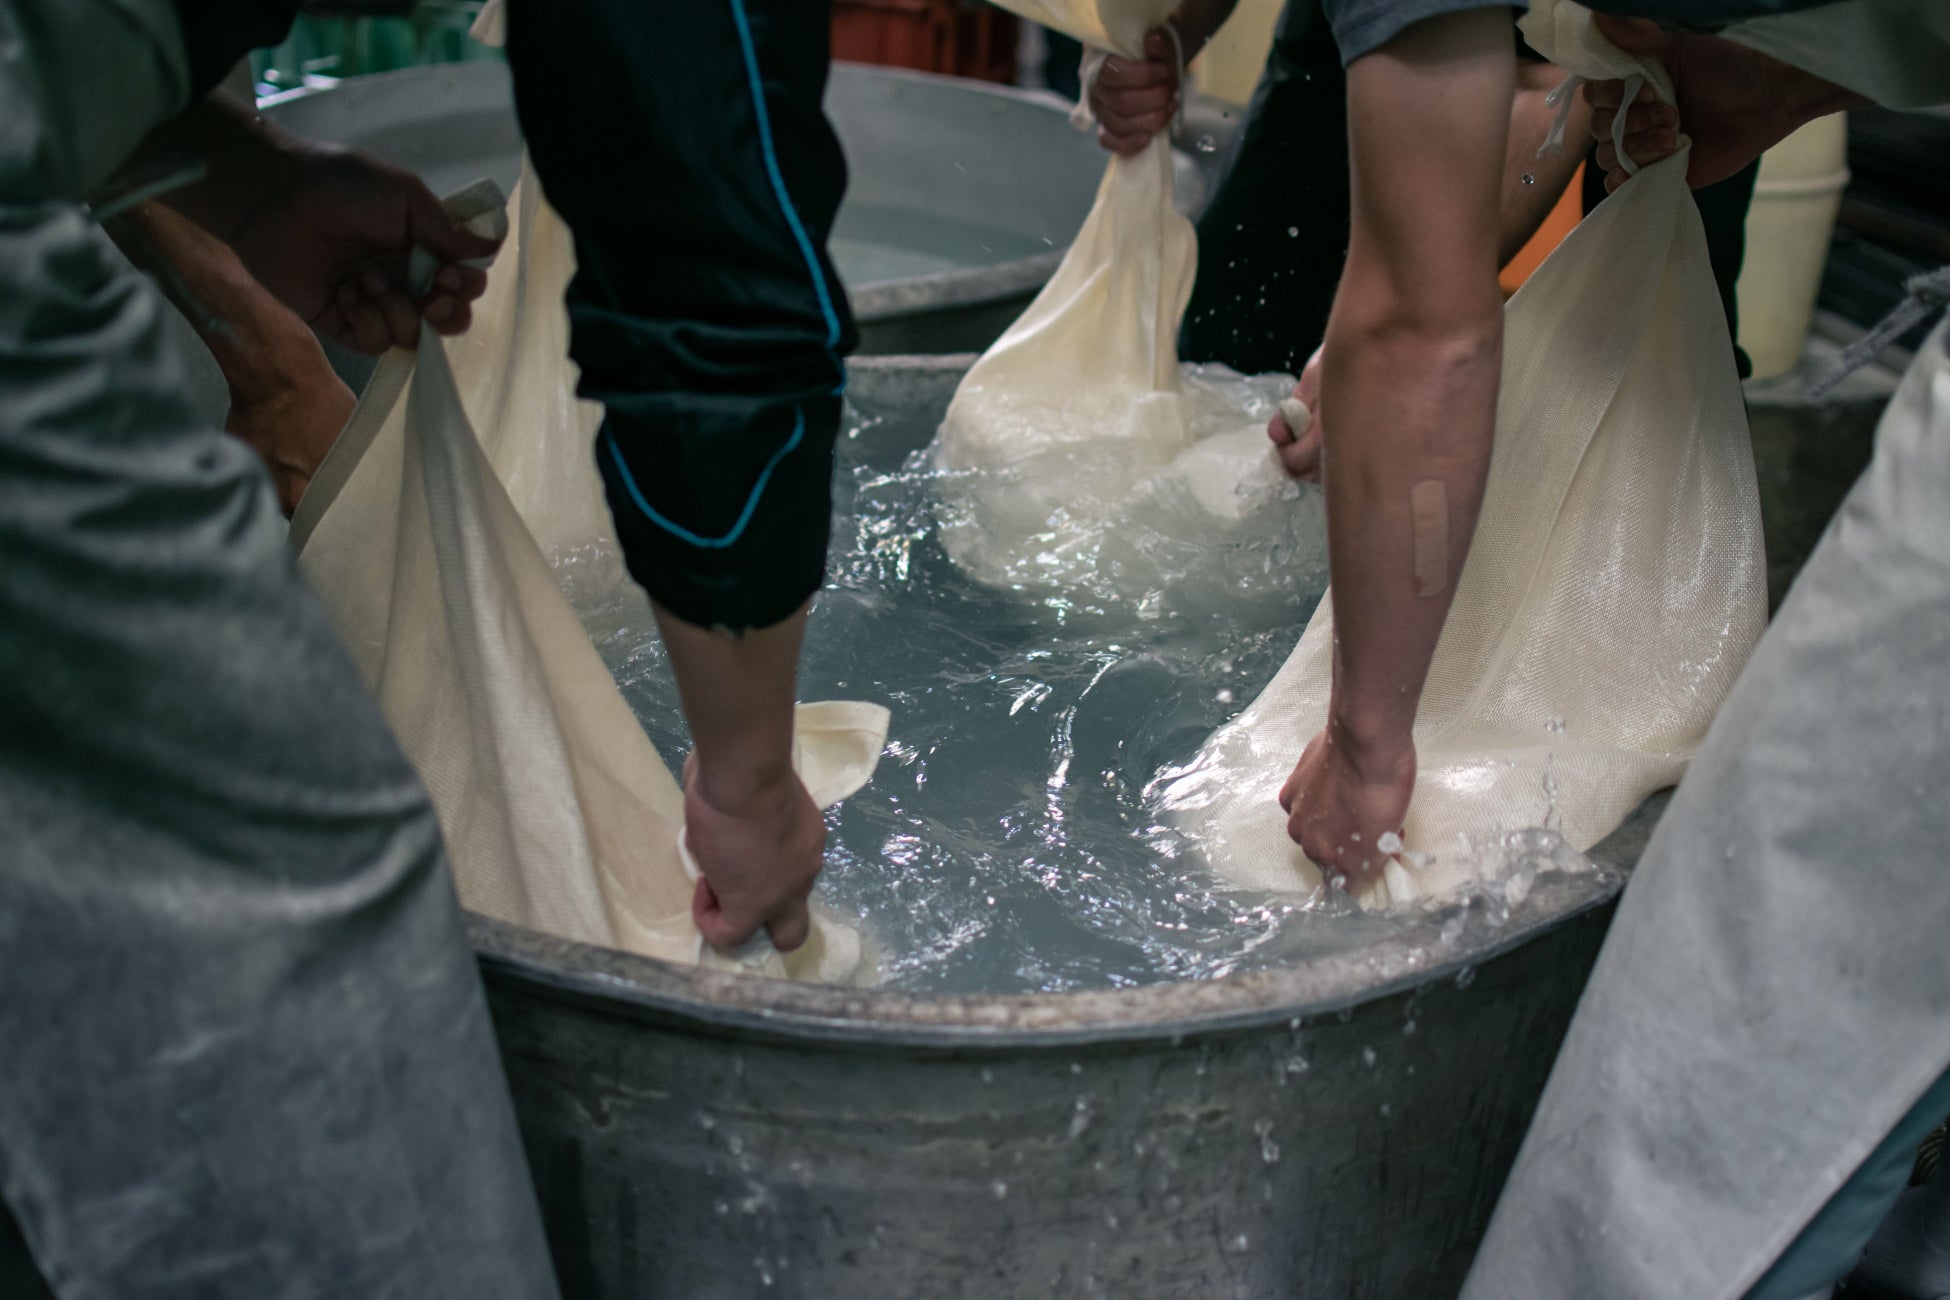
x: 968, y: 165
x: 1338, y: 1128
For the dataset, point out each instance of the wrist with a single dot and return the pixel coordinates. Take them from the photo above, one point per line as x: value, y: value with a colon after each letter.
x: 1376, y: 748
x: 268, y: 371
x: 740, y: 785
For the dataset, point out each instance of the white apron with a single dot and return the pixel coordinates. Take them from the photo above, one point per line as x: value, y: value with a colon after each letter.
x: 1774, y: 995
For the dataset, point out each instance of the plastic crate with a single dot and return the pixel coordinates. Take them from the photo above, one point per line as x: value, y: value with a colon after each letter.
x: 944, y: 36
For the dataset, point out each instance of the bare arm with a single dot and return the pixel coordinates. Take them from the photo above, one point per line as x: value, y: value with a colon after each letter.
x: 1412, y: 362
x: 285, y: 400
x: 749, y: 822
x: 1523, y: 207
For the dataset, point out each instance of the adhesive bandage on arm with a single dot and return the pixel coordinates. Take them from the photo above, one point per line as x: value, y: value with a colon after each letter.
x: 1428, y: 509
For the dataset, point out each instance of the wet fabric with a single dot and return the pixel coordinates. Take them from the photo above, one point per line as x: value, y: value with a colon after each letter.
x: 421, y: 540
x: 686, y: 147
x: 1723, y: 209
x: 1078, y: 456
x: 246, y: 1051
x: 1770, y: 1000
x: 1615, y: 583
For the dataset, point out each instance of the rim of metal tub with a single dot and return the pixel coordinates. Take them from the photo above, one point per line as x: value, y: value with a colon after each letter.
x: 624, y: 984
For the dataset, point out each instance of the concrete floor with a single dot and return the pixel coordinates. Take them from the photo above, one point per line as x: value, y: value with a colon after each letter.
x: 1808, y: 454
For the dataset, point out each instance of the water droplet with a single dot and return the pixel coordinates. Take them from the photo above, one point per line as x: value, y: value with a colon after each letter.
x: 1389, y: 842
x: 1206, y: 144
x: 1269, y: 1150
x: 1554, y: 725
x: 1528, y: 179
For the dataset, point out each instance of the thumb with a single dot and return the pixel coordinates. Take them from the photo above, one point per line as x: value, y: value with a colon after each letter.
x: 1640, y: 36
x: 434, y: 229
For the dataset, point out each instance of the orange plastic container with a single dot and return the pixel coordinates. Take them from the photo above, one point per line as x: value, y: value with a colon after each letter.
x: 1561, y: 221
x: 945, y: 36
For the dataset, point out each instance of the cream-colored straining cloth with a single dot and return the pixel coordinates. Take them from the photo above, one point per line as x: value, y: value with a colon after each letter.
x: 1078, y: 429
x: 1616, y: 582
x: 557, y: 811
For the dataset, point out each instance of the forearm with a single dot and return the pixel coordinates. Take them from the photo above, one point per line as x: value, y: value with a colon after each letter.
x: 1408, y: 452
x: 738, y: 695
x: 1526, y: 202
x: 236, y: 317
x: 242, y: 157
x: 1413, y: 357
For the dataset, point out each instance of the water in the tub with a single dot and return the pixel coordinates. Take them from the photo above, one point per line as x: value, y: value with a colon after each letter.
x: 1005, y: 843
x: 873, y: 244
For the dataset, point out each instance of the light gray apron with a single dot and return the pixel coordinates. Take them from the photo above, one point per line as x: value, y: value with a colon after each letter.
x: 1774, y: 995
x: 243, y: 1047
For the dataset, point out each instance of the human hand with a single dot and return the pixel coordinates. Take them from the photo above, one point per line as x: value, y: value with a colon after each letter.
x: 291, y: 408
x: 1734, y: 102
x: 1299, y: 449
x: 758, y: 848
x: 1133, y: 100
x: 1340, y: 801
x: 331, y: 240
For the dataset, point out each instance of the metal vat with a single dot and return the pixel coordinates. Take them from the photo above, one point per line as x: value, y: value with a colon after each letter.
x: 1336, y: 1129
x: 961, y: 198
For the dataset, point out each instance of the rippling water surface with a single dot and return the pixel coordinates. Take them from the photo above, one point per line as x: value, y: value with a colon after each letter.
x: 1005, y: 843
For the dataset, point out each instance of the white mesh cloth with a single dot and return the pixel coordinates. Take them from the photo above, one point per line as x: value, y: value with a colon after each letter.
x: 422, y: 541
x: 1078, y: 430
x: 1616, y: 582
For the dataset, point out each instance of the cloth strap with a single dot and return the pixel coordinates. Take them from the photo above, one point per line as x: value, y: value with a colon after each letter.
x: 1924, y: 295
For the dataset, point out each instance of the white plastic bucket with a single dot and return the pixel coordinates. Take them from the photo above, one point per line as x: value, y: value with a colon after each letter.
x: 1796, y: 197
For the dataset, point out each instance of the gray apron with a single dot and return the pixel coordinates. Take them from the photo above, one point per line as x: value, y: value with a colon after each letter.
x: 1774, y: 995
x: 243, y: 1047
